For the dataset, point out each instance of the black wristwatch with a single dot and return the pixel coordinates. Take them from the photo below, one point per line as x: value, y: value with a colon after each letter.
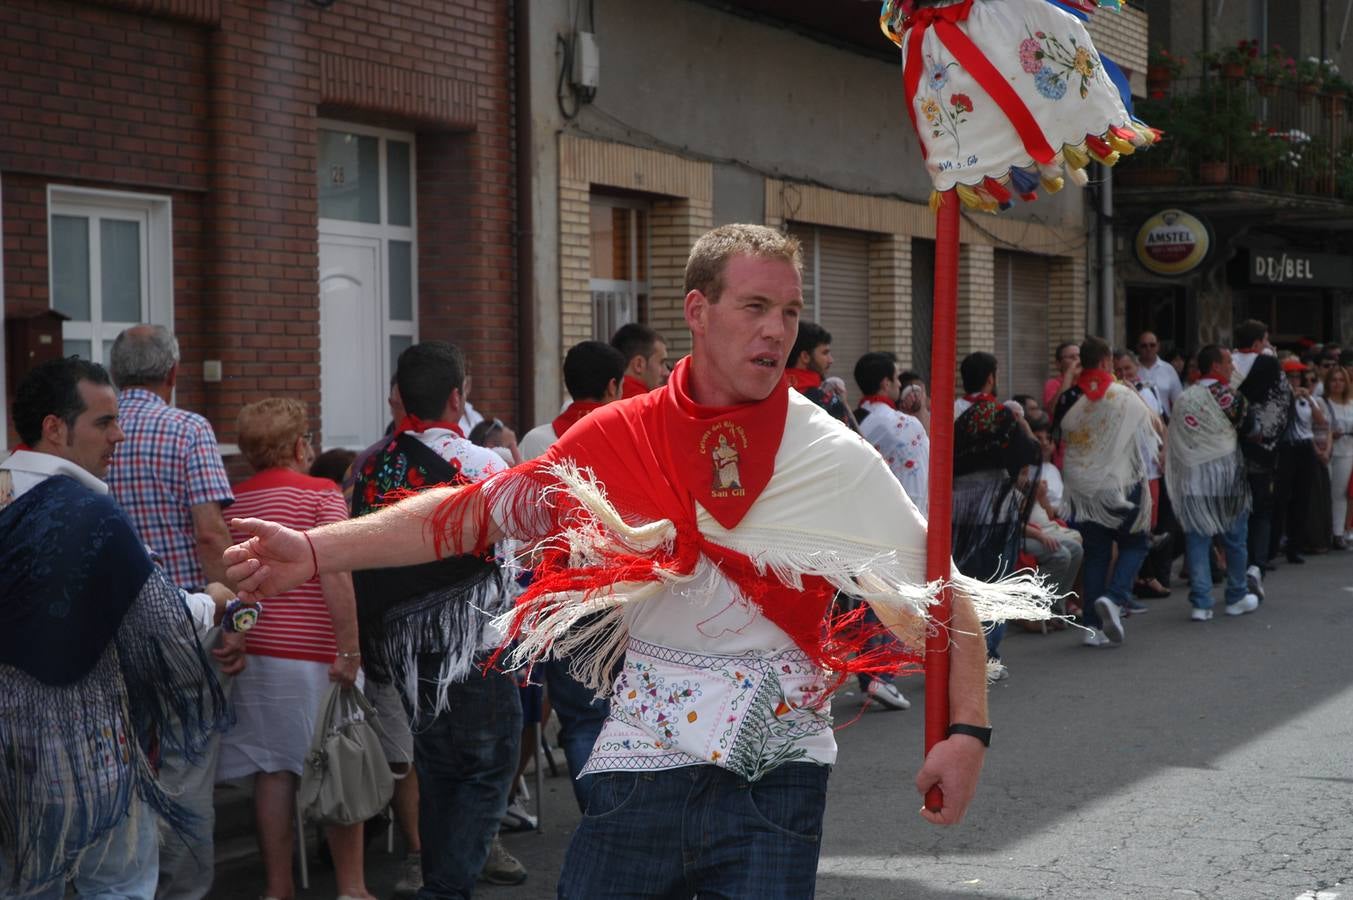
x: 977, y: 731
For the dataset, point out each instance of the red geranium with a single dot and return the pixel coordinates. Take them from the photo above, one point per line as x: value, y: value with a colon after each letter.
x: 962, y: 101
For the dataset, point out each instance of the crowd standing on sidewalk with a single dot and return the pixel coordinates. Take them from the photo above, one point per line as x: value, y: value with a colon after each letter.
x: 1127, y: 464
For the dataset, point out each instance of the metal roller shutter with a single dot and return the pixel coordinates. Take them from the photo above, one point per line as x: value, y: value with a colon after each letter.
x: 836, y: 293
x: 1021, y: 299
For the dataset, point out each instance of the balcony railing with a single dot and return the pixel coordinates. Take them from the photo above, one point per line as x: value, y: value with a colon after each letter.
x: 1245, y: 133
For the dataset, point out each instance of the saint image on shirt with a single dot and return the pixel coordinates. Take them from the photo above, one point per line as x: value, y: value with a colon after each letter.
x: 726, y: 466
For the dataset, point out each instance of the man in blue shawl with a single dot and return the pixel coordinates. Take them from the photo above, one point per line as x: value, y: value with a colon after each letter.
x: 99, y: 657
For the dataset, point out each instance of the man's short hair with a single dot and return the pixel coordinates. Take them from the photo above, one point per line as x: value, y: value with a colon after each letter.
x: 53, y: 389
x: 144, y: 354
x: 635, y: 340
x: 268, y: 430
x: 1248, y: 332
x: 427, y: 373
x: 1093, y: 352
x: 590, y: 366
x: 1061, y: 348
x: 975, y: 369
x: 1123, y: 353
x: 1209, y: 356
x: 908, y: 377
x: 872, y: 369
x: 811, y: 336
x: 711, y: 253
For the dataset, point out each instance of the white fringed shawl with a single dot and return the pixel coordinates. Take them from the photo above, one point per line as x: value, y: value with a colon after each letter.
x: 832, y: 509
x: 1104, y: 461
x: 1204, y: 470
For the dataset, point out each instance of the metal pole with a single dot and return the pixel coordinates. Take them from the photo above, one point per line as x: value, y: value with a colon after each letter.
x: 1106, y: 279
x: 939, y: 558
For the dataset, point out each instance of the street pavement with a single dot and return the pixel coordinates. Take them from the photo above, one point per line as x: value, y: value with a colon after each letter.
x: 1207, y: 760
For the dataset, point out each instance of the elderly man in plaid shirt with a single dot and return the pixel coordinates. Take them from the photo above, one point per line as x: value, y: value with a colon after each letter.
x: 169, y: 478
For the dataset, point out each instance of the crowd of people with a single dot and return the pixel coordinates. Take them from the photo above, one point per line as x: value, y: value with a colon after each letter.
x: 1234, y: 459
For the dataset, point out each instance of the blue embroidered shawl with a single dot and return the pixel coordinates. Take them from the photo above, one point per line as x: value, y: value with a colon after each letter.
x: 97, y: 654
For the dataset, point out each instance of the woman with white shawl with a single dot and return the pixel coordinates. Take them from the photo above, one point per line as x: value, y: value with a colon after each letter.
x: 1205, y: 475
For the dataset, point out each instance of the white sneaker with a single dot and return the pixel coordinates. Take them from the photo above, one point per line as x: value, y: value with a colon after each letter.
x: 1110, y: 619
x: 884, y: 692
x: 410, y: 876
x: 517, y: 818
x: 996, y: 671
x: 1201, y: 615
x: 1254, y: 582
x: 1248, y: 604
x: 1096, y: 638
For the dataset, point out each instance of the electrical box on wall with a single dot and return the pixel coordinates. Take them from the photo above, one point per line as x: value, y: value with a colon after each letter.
x: 586, y: 62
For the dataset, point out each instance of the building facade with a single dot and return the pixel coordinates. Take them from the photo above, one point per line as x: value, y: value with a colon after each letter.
x: 297, y: 189
x: 790, y: 115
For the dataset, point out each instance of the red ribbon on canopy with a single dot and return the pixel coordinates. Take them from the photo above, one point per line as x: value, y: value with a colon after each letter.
x: 944, y: 20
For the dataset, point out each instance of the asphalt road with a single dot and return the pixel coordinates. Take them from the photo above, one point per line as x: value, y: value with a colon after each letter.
x: 1207, y: 760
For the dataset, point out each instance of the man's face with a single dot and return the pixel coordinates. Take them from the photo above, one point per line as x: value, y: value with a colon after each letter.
x: 1222, y: 369
x: 892, y: 385
x: 90, y: 441
x: 1069, y: 357
x: 741, y: 342
x: 820, y: 360
x: 1125, y: 370
x: 655, y: 366
x: 1147, y: 346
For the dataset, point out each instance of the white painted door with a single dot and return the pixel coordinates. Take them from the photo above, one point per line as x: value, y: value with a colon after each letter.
x: 353, y: 383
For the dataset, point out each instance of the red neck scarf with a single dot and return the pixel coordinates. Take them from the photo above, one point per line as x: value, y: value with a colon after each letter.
x: 632, y: 387
x: 803, y: 379
x: 571, y: 414
x: 1095, y: 383
x: 979, y: 397
x: 410, y: 422
x: 878, y: 398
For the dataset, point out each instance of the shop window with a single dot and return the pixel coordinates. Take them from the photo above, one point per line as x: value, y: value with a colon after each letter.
x: 619, y: 275
x: 110, y: 264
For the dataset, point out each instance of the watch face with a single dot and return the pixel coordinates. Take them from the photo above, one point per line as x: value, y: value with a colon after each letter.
x: 244, y: 618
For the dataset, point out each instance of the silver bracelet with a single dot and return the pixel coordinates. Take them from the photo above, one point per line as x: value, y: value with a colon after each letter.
x: 357, y: 654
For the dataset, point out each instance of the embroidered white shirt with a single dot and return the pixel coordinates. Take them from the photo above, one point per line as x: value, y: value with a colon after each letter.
x: 902, y: 442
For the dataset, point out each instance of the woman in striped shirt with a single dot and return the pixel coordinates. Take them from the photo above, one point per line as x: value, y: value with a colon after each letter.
x: 307, y: 639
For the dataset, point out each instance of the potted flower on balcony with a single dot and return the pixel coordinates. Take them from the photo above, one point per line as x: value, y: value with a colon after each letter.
x: 1310, y: 75
x: 1162, y: 68
x: 1235, y: 63
x: 1259, y: 151
x: 1273, y: 69
x: 1336, y: 90
x: 1317, y: 168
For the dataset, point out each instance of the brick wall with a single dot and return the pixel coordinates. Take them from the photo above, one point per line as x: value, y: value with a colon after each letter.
x: 890, y: 295
x: 977, y: 299
x: 217, y: 104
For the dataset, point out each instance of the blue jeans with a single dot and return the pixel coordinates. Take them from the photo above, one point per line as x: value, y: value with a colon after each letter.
x: 121, y: 865
x: 1198, y: 549
x: 1098, y: 542
x: 581, y: 715
x: 465, y: 758
x: 698, y: 831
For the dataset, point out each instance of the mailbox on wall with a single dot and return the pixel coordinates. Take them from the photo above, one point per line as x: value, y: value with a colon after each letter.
x: 31, y: 341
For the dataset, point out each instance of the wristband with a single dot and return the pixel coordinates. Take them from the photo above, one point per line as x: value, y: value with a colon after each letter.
x: 357, y: 654
x: 240, y: 617
x: 977, y: 731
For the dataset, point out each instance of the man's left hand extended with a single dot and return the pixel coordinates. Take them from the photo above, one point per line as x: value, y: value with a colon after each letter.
x: 953, y: 765
x: 230, y: 655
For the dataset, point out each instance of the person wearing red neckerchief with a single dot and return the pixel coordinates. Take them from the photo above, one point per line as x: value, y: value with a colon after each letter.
x: 809, y: 361
x: 645, y: 354
x: 701, y: 525
x: 593, y: 374
x: 1109, y: 432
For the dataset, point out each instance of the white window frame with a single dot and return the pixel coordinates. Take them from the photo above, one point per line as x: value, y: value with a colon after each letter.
x: 602, y: 290
x: 154, y: 214
x: 385, y: 233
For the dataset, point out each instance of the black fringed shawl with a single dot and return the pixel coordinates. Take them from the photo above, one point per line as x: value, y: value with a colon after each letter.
x: 991, y: 450
x: 437, y: 607
x: 97, y: 654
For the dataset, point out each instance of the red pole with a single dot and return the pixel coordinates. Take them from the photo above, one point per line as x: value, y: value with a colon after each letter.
x: 941, y: 488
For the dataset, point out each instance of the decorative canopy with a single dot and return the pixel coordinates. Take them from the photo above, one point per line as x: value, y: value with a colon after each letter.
x: 1008, y: 95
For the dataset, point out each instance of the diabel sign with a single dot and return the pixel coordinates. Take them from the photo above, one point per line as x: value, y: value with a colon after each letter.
x: 1172, y: 242
x: 1296, y: 268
